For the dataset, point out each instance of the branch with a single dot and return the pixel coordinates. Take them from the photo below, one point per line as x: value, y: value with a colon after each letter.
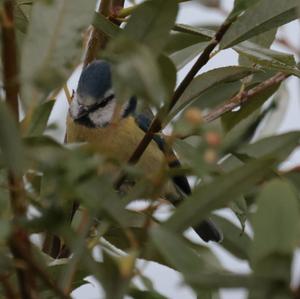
x: 9, y: 57
x: 40, y: 272
x: 244, y: 97
x: 156, y: 123
x: 8, y: 288
x: 97, y: 39
x: 26, y: 277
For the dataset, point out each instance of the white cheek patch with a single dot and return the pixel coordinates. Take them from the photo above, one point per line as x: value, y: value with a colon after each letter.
x: 74, y: 108
x: 103, y: 116
x: 108, y: 93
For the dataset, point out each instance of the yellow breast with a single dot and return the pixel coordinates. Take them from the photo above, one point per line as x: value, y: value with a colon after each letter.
x: 118, y: 141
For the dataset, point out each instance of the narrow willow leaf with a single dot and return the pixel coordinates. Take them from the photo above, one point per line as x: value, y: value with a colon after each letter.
x: 240, y: 6
x: 21, y: 19
x: 232, y: 119
x: 10, y: 141
x: 183, y: 57
x: 264, y: 40
x: 204, y: 33
x: 274, y: 119
x: 168, y: 74
x: 136, y: 71
x: 269, y: 58
x: 277, y: 201
x: 52, y: 46
x: 208, y: 80
x: 192, y: 266
x: 184, y: 258
x: 105, y: 25
x: 235, y: 241
x: 39, y: 119
x: 242, y: 133
x: 179, y: 41
x: 151, y: 23
x: 279, y: 147
x: 261, y: 17
x: 217, y: 194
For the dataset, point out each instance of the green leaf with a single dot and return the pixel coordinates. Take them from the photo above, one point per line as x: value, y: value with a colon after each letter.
x: 183, y: 57
x: 204, y: 33
x: 105, y: 25
x: 278, y: 111
x: 235, y: 240
x: 135, y: 71
x: 217, y: 194
x: 241, y: 133
x: 206, y: 81
x: 269, y: 58
x: 193, y: 267
x: 53, y: 45
x: 278, y: 211
x: 151, y: 23
x: 232, y: 120
x: 39, y: 119
x: 278, y: 147
x: 179, y: 41
x: 265, y: 40
x: 261, y: 17
x: 240, y: 6
x: 168, y: 74
x: 176, y: 250
x: 21, y: 19
x: 10, y: 141
x: 111, y: 278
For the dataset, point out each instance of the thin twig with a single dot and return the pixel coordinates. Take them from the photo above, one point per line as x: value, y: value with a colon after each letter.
x: 9, y: 291
x: 26, y: 277
x: 243, y: 97
x: 156, y: 123
x: 97, y: 39
x: 40, y: 272
x: 83, y: 230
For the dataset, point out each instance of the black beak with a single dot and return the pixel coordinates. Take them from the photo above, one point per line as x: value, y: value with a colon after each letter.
x: 82, y: 112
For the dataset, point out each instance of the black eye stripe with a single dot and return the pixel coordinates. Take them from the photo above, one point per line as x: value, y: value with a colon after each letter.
x: 100, y: 105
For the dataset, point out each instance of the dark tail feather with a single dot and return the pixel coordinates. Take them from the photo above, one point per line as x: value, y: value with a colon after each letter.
x: 208, y: 231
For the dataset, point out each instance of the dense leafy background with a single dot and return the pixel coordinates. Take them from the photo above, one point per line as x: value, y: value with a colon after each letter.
x: 229, y: 166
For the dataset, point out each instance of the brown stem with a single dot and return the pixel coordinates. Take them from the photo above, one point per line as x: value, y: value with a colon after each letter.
x: 243, y: 97
x: 9, y: 57
x: 9, y: 291
x: 40, y: 272
x: 156, y: 123
x: 11, y: 86
x: 97, y: 39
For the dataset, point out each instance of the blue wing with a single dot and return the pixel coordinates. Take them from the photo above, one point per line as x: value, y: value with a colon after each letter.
x: 207, y: 230
x: 179, y: 180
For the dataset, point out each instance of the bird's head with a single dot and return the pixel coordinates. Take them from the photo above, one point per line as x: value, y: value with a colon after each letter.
x: 94, y: 101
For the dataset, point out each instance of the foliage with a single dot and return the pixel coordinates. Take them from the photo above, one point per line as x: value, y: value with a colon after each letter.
x: 232, y: 167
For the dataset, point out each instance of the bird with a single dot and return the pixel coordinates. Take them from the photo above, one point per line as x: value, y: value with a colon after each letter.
x: 91, y: 119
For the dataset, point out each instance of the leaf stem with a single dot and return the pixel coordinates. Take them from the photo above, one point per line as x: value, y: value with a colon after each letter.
x: 244, y: 96
x: 41, y: 273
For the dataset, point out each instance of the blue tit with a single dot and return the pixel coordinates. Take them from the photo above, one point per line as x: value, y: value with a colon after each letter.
x: 92, y: 119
